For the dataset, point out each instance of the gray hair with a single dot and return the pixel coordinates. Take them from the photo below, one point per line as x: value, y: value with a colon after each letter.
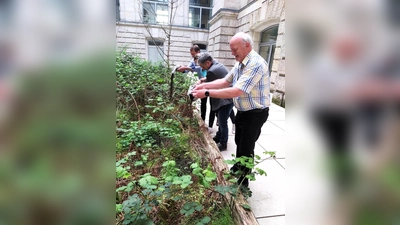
x: 245, y: 38
x: 203, y: 57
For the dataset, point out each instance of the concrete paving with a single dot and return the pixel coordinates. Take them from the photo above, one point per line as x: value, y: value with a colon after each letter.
x: 268, y: 199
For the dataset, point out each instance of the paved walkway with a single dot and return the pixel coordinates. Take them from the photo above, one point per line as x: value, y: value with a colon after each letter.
x: 268, y: 200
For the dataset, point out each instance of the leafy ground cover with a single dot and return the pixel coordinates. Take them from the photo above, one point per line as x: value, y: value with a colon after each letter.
x: 163, y: 176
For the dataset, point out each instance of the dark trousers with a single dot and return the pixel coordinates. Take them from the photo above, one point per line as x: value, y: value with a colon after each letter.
x: 214, y: 114
x: 248, y: 129
x: 223, y: 130
x: 232, y: 116
x: 203, y: 108
x: 211, y: 117
x: 336, y: 128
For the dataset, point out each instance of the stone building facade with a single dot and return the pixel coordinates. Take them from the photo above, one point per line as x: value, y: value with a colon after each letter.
x: 263, y: 20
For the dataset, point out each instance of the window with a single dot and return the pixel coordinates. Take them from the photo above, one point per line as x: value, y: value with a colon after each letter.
x: 117, y: 12
x: 155, y: 11
x: 268, y: 44
x: 156, y: 51
x: 199, y: 13
x: 203, y: 47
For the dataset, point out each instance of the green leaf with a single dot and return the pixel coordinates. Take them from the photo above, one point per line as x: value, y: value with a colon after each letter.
x: 246, y: 207
x: 205, y: 220
x: 118, y: 208
x: 209, y: 175
x: 230, y: 162
x: 194, y: 166
x: 138, y: 163
x: 152, y: 180
x: 261, y: 172
x: 148, y: 181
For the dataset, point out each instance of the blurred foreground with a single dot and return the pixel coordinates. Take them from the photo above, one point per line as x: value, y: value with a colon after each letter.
x: 57, y: 112
x: 343, y: 108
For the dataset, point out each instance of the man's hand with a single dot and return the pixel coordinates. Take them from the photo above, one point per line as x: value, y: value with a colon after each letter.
x: 199, y: 93
x: 199, y: 87
x: 200, y: 81
x: 183, y: 68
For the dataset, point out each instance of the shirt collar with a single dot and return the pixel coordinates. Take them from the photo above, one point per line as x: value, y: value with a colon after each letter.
x: 247, y: 58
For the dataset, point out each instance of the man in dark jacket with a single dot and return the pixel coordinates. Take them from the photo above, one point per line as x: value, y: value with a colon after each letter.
x: 224, y: 106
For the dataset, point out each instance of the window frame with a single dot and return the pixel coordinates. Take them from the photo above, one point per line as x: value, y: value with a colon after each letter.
x: 271, y: 45
x: 201, y: 14
x: 118, y: 11
x: 202, y: 46
x: 152, y: 43
x: 155, y: 3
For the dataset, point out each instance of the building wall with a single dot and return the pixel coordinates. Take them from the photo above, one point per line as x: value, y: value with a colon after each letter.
x: 252, y: 18
x: 134, y: 39
x: 229, y: 17
x: 132, y: 35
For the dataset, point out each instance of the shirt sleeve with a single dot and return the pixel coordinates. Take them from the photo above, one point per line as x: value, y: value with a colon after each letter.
x: 191, y: 64
x: 211, y: 76
x: 229, y: 76
x: 250, y: 77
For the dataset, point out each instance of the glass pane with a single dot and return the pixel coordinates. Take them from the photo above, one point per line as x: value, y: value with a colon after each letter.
x: 270, y: 35
x: 154, y: 55
x: 155, y: 43
x: 205, y: 16
x: 204, y: 3
x: 162, y: 13
x: 271, y: 59
x: 264, y: 52
x: 148, y: 13
x: 194, y: 17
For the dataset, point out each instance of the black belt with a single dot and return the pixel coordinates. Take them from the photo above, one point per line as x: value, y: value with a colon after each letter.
x: 255, y: 110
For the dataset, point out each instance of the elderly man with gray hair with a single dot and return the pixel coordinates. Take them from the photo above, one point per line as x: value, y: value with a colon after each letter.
x: 223, y: 106
x: 250, y: 92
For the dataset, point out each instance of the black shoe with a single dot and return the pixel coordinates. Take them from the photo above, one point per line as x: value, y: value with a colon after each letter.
x: 216, y: 139
x: 222, y: 147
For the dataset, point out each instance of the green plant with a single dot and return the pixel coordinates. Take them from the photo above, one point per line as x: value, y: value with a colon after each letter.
x: 206, y: 176
x: 122, y: 172
x: 148, y: 181
x: 279, y: 101
x: 135, y: 212
x: 189, y: 208
x: 157, y: 143
x: 234, y: 189
x: 223, y: 217
x: 204, y: 220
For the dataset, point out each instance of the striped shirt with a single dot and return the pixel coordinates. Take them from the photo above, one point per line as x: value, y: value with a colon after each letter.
x: 252, y: 77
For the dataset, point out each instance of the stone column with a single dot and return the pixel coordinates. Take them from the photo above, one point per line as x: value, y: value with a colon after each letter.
x: 222, y: 27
